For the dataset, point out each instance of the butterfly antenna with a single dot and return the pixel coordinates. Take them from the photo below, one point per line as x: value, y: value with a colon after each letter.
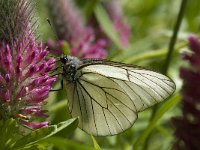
x: 55, y: 35
x: 54, y: 32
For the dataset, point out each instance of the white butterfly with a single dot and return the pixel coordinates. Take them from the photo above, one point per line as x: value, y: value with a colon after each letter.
x: 107, y: 96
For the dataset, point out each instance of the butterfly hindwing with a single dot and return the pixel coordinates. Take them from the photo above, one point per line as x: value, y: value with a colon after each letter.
x: 107, y: 111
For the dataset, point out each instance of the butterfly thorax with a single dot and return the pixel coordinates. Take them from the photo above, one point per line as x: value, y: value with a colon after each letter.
x: 70, y: 65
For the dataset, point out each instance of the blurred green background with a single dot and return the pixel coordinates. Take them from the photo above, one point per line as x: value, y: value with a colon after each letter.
x: 151, y: 24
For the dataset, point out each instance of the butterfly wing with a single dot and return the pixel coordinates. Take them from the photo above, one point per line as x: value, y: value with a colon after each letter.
x: 107, y: 96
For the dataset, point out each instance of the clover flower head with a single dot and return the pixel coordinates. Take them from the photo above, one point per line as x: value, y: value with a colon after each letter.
x: 24, y: 81
x: 85, y: 45
x: 70, y: 26
x: 114, y: 9
x: 188, y: 126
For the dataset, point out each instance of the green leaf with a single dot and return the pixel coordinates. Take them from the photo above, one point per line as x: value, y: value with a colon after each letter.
x: 107, y: 26
x: 153, y: 54
x: 89, y: 8
x: 42, y: 133
x: 57, y: 106
x: 66, y: 49
x: 64, y: 143
x: 96, y: 145
x: 159, y: 113
x: 32, y: 147
x: 8, y: 133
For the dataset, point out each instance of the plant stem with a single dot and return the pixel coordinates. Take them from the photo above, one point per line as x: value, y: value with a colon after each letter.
x: 174, y: 36
x: 169, y: 55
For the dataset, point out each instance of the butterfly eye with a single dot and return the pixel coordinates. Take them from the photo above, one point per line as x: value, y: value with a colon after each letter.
x: 64, y: 59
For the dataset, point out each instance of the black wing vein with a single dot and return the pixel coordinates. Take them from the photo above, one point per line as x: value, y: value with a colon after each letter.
x: 119, y: 109
x: 157, y: 84
x: 135, y: 94
x: 149, y: 87
x: 84, y: 103
x: 79, y: 106
x: 106, y: 120
x: 112, y: 89
x: 109, y: 101
x: 153, y: 76
x: 91, y: 104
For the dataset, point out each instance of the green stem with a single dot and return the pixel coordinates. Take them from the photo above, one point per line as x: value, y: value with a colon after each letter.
x: 174, y: 36
x: 169, y: 55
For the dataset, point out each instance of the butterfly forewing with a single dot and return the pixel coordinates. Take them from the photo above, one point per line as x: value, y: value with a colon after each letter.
x: 144, y: 87
x: 106, y: 96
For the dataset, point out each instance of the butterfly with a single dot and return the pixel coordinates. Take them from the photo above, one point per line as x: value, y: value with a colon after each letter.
x: 107, y: 96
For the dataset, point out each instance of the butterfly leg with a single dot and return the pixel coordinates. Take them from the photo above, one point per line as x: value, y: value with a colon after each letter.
x: 56, y: 69
x: 60, y: 88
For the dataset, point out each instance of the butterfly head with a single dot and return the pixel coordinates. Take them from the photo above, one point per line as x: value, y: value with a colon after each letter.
x: 69, y: 65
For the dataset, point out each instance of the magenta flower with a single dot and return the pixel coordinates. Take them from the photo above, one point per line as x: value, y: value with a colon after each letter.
x: 83, y: 46
x: 115, y: 12
x: 69, y: 26
x: 24, y: 79
x: 25, y: 82
x: 188, y: 126
x: 85, y: 41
